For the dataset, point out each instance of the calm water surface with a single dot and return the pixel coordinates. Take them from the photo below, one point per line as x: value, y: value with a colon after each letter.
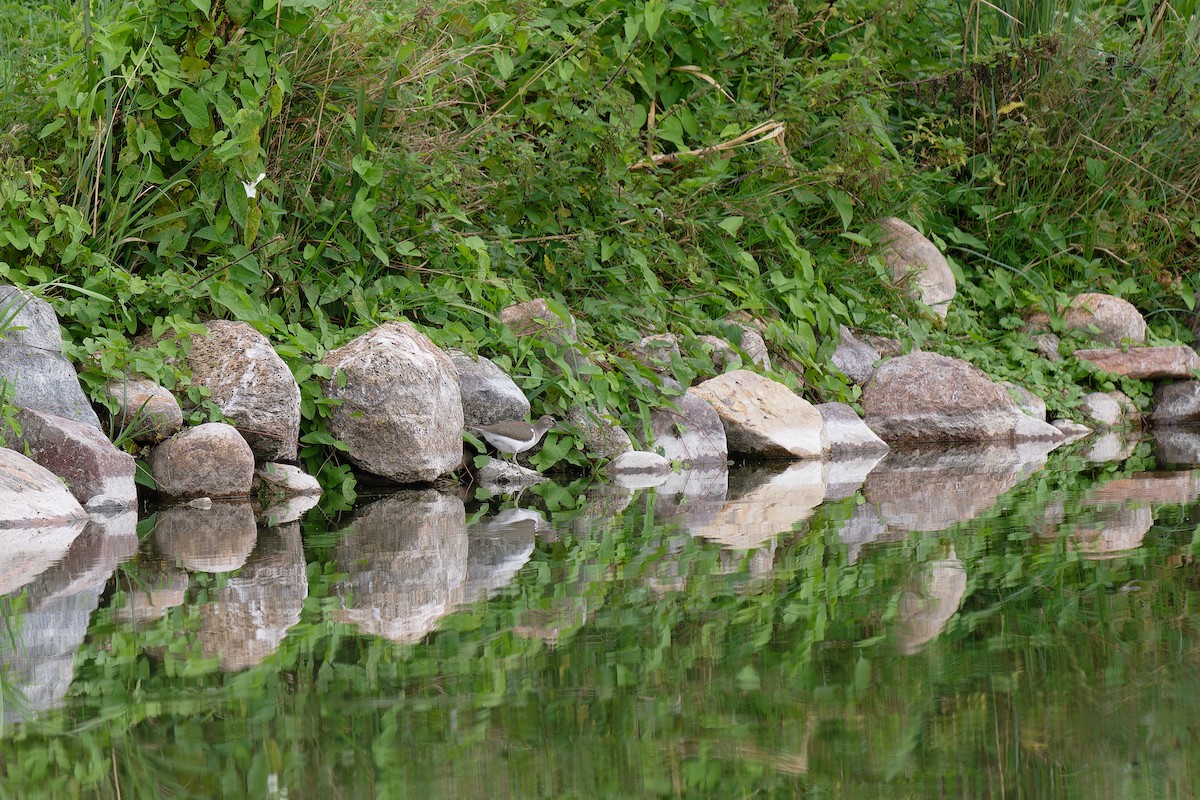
x: 981, y: 622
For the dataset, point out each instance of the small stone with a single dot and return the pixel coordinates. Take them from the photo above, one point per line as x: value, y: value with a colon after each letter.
x: 1047, y: 346
x: 202, y: 503
x: 602, y: 438
x: 146, y: 412
x: 854, y: 358
x: 638, y: 469
x: 691, y: 432
x: 287, y: 480
x: 210, y: 460
x: 657, y: 352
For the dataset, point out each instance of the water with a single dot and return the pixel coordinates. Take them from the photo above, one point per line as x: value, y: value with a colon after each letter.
x: 983, y: 622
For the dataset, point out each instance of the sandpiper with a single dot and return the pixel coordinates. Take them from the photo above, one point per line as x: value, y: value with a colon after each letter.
x: 514, y: 436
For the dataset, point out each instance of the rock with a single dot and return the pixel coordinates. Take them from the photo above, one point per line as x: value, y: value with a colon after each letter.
x: 247, y: 616
x: 763, y: 417
x: 692, y: 498
x: 929, y: 397
x: 638, y: 469
x: 1113, y: 319
x: 405, y: 559
x: 535, y: 318
x: 1026, y: 400
x: 31, y: 549
x: 854, y: 358
x: 864, y: 527
x: 146, y: 412
x: 210, y: 460
x: 656, y: 352
x: 601, y: 438
x: 401, y: 413
x: 1070, y: 429
x: 1116, y: 319
x: 32, y: 365
x: 31, y: 496
x: 1047, y: 346
x: 754, y: 346
x: 887, y: 348
x: 216, y: 539
x: 1143, y: 363
x: 251, y: 385
x: 1110, y: 446
x: 908, y: 254
x: 1102, y: 410
x: 96, y: 473
x: 1177, y: 404
x: 1102, y: 532
x: 846, y: 434
x: 690, y: 433
x: 488, y: 394
x: 286, y: 480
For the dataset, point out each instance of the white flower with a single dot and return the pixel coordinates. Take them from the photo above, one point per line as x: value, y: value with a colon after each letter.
x: 252, y: 186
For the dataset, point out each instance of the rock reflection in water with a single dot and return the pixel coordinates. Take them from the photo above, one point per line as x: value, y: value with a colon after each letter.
x: 845, y: 476
x: 1177, y: 447
x: 37, y: 656
x: 497, y: 548
x: 214, y: 539
x: 1109, y: 446
x: 159, y: 587
x: 248, y: 617
x: 929, y: 488
x: 28, y: 552
x: 929, y: 602
x: 1115, y: 516
x: 760, y: 504
x: 406, y: 556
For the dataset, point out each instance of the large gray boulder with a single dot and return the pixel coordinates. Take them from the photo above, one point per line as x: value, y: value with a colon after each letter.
x: 32, y: 496
x: 930, y: 397
x: 210, y: 460
x: 763, y: 417
x: 488, y: 394
x: 602, y: 436
x: 400, y: 412
x: 32, y: 366
x: 97, y: 473
x: 690, y: 433
x: 251, y: 385
x: 917, y: 263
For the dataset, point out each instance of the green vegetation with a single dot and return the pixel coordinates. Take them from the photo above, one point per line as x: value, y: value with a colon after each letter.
x: 440, y: 163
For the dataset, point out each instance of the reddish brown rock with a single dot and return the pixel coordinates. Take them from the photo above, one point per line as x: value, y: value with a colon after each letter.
x: 1144, y: 363
x: 1114, y: 320
x: 210, y: 460
x: 146, y: 412
x: 96, y: 472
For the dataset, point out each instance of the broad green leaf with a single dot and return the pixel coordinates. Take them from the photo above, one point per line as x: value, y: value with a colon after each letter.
x: 844, y: 205
x: 652, y: 16
x: 194, y: 109
x: 731, y: 224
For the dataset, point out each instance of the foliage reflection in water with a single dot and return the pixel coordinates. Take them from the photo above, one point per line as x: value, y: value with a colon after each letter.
x: 972, y: 622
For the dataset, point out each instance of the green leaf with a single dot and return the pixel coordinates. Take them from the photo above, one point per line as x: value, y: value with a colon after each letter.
x: 731, y: 224
x: 204, y: 6
x: 194, y: 109
x: 370, y: 172
x: 1189, y: 297
x: 844, y: 205
x: 361, y: 212
x: 652, y: 16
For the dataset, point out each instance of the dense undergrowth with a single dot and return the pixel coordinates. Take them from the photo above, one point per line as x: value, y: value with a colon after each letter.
x: 315, y: 168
